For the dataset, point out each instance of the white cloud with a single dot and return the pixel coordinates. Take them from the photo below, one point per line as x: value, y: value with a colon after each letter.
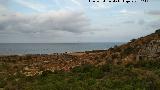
x: 53, y: 26
x: 35, y: 6
x: 62, y: 20
x: 72, y: 23
x: 76, y: 2
x: 3, y: 7
x: 129, y: 12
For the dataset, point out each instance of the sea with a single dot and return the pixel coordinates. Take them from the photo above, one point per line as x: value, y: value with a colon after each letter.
x: 50, y: 48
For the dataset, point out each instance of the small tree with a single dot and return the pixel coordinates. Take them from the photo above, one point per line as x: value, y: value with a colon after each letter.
x: 157, y: 31
x: 133, y: 40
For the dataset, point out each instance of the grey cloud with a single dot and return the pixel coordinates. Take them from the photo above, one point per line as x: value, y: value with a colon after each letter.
x: 3, y: 2
x: 155, y: 24
x: 75, y: 22
x: 129, y: 22
x: 142, y: 22
x: 139, y: 22
x: 154, y: 12
x: 4, y: 7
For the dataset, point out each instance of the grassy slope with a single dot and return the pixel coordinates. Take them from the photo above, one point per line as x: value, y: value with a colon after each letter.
x: 141, y: 76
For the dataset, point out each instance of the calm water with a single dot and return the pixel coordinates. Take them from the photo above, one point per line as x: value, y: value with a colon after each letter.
x: 48, y: 48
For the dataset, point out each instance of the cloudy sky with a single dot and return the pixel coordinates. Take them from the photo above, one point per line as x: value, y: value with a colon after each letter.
x: 66, y: 21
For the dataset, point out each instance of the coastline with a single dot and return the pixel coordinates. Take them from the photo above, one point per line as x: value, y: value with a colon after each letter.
x: 32, y: 64
x: 51, y: 48
x: 138, y: 59
x: 70, y: 53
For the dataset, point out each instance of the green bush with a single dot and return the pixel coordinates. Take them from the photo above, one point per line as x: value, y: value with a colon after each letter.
x: 89, y: 77
x: 149, y: 64
x: 83, y: 69
x: 157, y: 31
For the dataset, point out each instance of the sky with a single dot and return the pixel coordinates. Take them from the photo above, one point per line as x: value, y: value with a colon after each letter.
x: 75, y: 21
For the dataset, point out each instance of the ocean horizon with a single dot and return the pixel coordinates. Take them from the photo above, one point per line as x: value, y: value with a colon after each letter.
x: 50, y: 48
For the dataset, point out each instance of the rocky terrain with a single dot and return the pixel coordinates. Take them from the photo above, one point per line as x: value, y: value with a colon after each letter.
x: 144, y: 48
x: 131, y: 66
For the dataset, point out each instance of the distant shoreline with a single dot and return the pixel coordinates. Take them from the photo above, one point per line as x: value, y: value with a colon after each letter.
x: 63, y: 43
x: 69, y: 53
x: 22, y: 49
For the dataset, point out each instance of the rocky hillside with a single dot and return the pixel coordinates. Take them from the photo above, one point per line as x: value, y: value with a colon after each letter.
x: 132, y: 66
x: 144, y: 48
